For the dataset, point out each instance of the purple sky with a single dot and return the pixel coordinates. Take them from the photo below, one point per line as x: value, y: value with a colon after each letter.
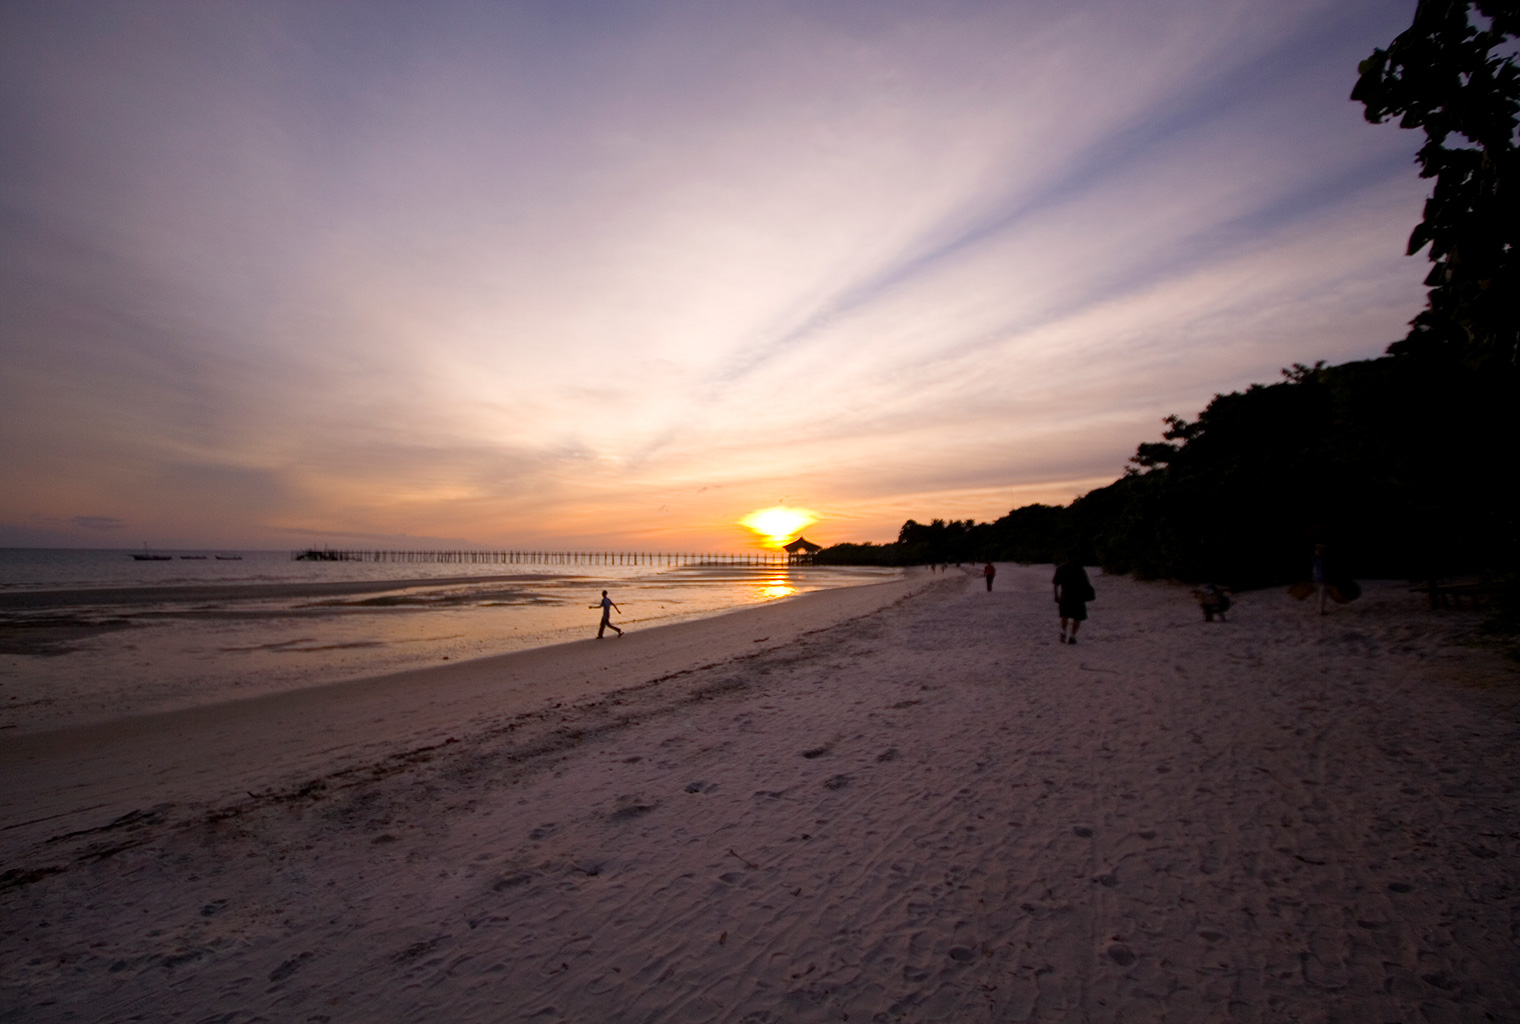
x: 620, y: 273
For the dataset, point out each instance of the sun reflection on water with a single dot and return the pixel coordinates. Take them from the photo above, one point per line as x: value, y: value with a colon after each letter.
x: 773, y: 584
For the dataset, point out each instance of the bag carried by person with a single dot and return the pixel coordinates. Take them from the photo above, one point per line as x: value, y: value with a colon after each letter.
x: 1343, y: 591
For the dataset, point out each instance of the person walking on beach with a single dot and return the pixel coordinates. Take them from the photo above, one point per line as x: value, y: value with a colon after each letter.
x: 606, y: 606
x: 1073, y: 590
x: 989, y: 572
x: 1319, y: 571
x: 1327, y: 580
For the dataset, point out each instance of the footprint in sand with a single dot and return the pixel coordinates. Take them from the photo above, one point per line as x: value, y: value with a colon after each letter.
x: 630, y: 812
x: 417, y: 949
x: 290, y: 966
x: 1042, y: 911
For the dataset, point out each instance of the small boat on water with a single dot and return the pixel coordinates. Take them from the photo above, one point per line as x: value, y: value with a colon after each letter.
x: 229, y: 558
x: 149, y: 556
x: 193, y: 558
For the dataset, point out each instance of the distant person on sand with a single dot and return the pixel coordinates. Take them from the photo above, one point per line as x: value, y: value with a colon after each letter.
x: 1073, y: 591
x: 1213, y: 601
x: 1320, y: 574
x: 1328, y: 579
x: 606, y: 606
x: 989, y: 572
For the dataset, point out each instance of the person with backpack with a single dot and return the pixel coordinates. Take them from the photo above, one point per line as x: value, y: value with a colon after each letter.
x: 1073, y: 590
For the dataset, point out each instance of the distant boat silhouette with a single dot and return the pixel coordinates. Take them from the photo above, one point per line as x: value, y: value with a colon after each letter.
x: 193, y: 558
x: 229, y: 558
x: 148, y: 556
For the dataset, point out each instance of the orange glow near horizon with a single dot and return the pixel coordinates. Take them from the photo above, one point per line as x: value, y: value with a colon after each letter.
x: 777, y: 525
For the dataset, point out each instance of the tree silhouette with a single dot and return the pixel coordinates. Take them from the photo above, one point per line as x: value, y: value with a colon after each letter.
x: 1453, y: 73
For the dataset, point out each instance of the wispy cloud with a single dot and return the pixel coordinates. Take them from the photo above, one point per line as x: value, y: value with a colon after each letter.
x: 600, y: 271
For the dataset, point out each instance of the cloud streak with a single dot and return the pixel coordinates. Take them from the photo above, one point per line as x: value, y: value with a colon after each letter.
x: 607, y: 273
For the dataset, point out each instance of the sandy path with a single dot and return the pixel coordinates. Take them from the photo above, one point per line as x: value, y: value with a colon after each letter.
x: 934, y: 813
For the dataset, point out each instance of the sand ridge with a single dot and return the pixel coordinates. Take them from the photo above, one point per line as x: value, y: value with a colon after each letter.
x: 931, y: 812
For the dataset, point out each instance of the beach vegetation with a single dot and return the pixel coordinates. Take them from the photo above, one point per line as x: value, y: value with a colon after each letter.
x: 867, y: 553
x: 1452, y: 74
x: 1398, y: 464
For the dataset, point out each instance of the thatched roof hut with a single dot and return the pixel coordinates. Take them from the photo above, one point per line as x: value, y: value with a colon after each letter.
x: 801, y: 551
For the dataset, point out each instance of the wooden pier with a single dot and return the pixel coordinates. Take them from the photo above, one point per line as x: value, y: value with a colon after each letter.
x: 755, y: 558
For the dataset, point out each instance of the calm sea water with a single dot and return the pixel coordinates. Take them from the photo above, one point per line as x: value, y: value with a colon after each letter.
x: 89, y: 636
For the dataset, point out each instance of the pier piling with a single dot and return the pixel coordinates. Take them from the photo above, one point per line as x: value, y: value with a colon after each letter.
x: 514, y: 556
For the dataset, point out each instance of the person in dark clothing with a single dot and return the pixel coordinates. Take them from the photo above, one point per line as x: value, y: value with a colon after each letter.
x: 1319, y: 570
x: 606, y: 606
x: 1072, y: 592
x: 988, y: 571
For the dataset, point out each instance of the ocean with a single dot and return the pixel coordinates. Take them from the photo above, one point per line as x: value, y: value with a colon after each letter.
x: 94, y: 635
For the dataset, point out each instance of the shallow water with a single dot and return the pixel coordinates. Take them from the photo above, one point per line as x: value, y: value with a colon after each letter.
x: 89, y: 636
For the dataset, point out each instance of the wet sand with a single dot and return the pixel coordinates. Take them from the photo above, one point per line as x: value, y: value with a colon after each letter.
x: 106, y: 597
x: 896, y: 803
x: 71, y: 658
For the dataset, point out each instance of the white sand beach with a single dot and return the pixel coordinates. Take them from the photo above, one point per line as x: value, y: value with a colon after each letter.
x: 901, y: 802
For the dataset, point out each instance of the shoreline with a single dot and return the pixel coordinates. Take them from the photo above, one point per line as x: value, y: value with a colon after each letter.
x: 43, y: 598
x: 229, y: 745
x: 36, y: 600
x: 74, y: 657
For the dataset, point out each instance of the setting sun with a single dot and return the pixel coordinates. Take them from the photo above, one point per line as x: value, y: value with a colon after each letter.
x: 778, y: 524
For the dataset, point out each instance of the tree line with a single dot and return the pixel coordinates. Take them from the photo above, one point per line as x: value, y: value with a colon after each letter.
x: 1402, y: 465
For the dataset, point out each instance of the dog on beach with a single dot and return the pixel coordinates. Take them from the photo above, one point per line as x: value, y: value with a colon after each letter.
x: 1214, y: 601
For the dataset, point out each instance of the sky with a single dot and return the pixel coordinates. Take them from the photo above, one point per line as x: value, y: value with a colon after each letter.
x: 575, y: 274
